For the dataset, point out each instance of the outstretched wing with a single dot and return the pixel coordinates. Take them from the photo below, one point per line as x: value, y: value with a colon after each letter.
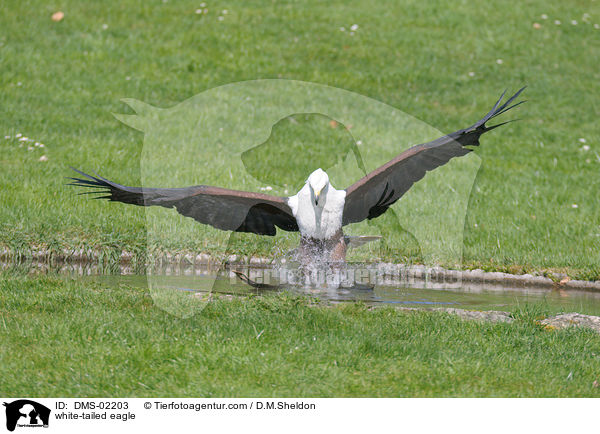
x: 225, y: 209
x: 373, y: 194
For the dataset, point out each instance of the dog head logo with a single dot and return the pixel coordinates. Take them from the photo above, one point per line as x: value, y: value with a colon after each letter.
x: 26, y: 413
x: 268, y: 136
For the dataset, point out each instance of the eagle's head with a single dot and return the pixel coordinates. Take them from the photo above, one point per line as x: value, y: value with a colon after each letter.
x: 318, y: 181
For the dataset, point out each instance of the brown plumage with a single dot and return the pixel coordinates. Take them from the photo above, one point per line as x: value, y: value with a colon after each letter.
x: 373, y: 194
x: 228, y: 210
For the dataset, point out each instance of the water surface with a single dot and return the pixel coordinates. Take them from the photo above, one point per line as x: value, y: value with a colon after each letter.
x: 465, y: 295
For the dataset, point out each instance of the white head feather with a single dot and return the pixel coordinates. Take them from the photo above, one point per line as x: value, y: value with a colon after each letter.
x: 318, y: 181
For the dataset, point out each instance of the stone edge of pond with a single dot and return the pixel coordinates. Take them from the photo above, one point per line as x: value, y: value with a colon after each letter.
x: 572, y: 319
x: 82, y: 257
x: 555, y: 322
x: 483, y: 315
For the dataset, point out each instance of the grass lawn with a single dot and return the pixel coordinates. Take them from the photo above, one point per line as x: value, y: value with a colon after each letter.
x: 65, y: 338
x: 534, y: 202
x: 533, y: 205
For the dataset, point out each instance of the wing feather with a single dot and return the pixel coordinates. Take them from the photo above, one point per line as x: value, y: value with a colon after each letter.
x: 373, y: 194
x: 225, y: 209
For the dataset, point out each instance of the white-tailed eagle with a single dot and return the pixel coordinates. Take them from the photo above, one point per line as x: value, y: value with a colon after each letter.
x: 318, y: 211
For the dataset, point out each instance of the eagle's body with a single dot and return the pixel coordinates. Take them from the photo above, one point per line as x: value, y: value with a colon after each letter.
x: 318, y: 211
x: 319, y: 219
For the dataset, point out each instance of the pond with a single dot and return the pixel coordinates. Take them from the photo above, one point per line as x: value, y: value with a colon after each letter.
x: 411, y: 292
x: 414, y: 293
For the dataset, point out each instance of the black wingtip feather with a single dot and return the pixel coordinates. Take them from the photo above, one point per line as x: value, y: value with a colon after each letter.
x: 500, y: 124
x: 83, y: 173
x: 94, y: 181
x: 99, y: 185
x: 470, y: 136
x: 492, y: 112
x: 496, y: 111
x: 508, y: 108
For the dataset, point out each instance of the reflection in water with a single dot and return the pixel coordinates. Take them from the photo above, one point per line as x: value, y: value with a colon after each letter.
x: 390, y: 288
x: 415, y: 292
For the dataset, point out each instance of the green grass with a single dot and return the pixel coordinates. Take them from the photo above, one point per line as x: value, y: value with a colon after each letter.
x: 61, y: 82
x: 66, y: 338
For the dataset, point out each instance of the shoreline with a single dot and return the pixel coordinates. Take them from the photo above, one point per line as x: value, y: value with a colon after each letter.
x: 128, y: 263
x: 553, y: 322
